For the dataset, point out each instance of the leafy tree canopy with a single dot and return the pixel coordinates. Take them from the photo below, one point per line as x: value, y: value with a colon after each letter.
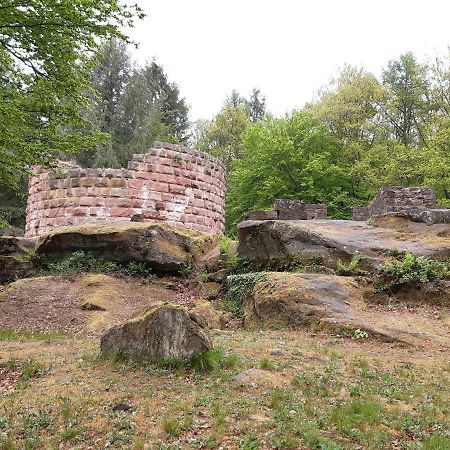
x: 46, y: 53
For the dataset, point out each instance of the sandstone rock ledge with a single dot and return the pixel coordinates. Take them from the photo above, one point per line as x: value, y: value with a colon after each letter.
x: 161, y: 246
x: 309, y: 241
x: 331, y: 303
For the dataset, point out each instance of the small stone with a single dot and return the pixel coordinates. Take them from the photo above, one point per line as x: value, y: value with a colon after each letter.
x: 122, y: 407
x: 276, y: 352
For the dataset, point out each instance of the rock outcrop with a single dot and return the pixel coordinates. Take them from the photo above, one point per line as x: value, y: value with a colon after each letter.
x: 326, y: 241
x: 14, y: 258
x: 160, y: 332
x: 162, y: 247
x: 329, y: 303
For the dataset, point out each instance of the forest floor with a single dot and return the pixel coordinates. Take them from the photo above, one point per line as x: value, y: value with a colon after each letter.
x: 272, y: 389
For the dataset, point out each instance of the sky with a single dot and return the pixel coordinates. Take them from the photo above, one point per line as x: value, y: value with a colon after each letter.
x: 286, y: 48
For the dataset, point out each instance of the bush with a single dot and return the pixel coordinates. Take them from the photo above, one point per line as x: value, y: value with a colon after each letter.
x: 408, y: 269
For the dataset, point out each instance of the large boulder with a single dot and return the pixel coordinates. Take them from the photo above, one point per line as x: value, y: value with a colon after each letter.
x: 161, y: 246
x: 162, y: 331
x: 325, y: 241
x: 300, y: 300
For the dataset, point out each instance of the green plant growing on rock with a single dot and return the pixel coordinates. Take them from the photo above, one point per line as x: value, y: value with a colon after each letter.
x: 239, y: 287
x: 410, y: 269
x: 352, y: 267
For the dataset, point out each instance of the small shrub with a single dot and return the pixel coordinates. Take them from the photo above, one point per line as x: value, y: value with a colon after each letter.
x: 228, y: 249
x: 408, y: 269
x: 352, y: 267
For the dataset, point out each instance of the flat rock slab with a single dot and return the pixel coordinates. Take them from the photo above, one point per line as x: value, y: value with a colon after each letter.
x: 160, y: 246
x: 329, y: 240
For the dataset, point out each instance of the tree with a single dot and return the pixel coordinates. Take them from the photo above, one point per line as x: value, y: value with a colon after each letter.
x: 294, y: 158
x: 407, y: 106
x: 134, y: 106
x: 174, y: 110
x: 110, y: 77
x: 223, y: 136
x: 256, y: 106
x: 46, y: 51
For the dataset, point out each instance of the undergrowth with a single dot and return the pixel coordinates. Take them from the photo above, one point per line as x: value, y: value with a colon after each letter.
x: 409, y: 269
x: 81, y: 261
x: 204, y: 362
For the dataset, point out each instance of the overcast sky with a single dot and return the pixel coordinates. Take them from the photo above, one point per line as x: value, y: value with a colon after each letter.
x: 287, y: 48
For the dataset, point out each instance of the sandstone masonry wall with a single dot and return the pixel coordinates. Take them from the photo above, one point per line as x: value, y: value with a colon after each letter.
x: 171, y: 184
x: 396, y: 199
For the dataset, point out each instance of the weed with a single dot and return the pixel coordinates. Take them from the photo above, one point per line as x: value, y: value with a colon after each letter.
x: 266, y: 364
x: 186, y: 270
x: 203, y: 277
x: 177, y: 158
x: 358, y: 412
x: 352, y: 267
x: 360, y: 334
x: 249, y: 442
x: 28, y: 368
x: 171, y: 427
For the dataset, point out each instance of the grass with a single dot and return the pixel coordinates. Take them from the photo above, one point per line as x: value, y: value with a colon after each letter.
x: 327, y: 393
x: 12, y: 335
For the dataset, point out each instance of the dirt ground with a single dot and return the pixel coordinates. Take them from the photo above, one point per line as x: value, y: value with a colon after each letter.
x: 269, y: 389
x: 55, y: 302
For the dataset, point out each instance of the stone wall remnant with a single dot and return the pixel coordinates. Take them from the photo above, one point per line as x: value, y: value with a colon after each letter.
x: 290, y: 210
x: 397, y: 199
x: 170, y: 184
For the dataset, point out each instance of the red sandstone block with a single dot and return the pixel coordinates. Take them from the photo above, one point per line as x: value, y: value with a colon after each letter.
x: 87, y: 201
x: 117, y: 192
x: 121, y: 212
x: 149, y: 214
x: 176, y: 189
x: 160, y: 206
x: 80, y: 211
x: 167, y: 197
x: 135, y: 184
x: 160, y: 187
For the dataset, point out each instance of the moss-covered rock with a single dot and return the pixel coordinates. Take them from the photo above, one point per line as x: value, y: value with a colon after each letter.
x: 164, y: 331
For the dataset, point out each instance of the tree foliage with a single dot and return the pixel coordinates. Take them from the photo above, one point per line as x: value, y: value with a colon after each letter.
x: 46, y: 51
x: 134, y: 106
x: 293, y: 158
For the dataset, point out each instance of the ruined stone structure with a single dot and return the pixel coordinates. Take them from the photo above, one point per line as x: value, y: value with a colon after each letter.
x: 171, y: 184
x: 397, y: 199
x: 290, y: 210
